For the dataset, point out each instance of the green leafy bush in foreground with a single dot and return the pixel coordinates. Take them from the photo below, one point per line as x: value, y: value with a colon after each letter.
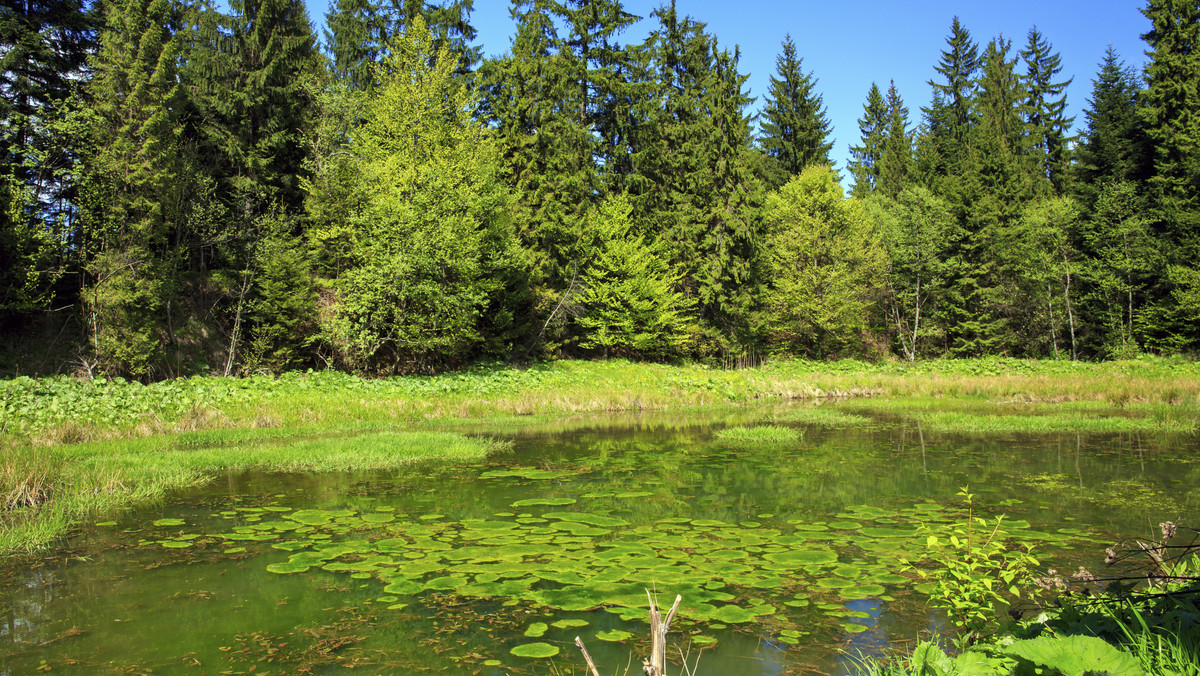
x: 1139, y: 620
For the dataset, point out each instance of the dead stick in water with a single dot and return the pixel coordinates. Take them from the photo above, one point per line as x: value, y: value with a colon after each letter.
x: 586, y: 657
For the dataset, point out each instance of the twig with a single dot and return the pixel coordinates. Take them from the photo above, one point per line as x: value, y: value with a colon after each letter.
x: 586, y: 657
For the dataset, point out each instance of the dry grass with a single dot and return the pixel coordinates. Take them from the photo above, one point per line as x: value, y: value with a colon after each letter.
x: 26, y: 479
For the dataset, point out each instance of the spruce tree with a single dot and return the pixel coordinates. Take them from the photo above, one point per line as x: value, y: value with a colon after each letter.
x: 957, y: 66
x: 529, y: 97
x: 43, y: 49
x: 895, y: 161
x: 864, y: 159
x: 630, y: 305
x: 999, y: 177
x: 943, y: 147
x: 43, y: 52
x: 1113, y: 146
x: 358, y: 32
x: 599, y: 66
x: 256, y: 103
x: 137, y: 183
x: 1049, y: 127
x: 1170, y: 115
x: 695, y: 187
x: 795, y: 125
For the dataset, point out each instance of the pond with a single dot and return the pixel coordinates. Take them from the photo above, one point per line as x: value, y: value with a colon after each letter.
x: 786, y: 553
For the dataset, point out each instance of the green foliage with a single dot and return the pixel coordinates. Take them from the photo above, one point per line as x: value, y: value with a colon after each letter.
x: 1066, y: 655
x: 1114, y: 146
x: 914, y: 229
x: 628, y: 302
x: 283, y: 307
x: 699, y: 135
x: 124, y: 310
x: 1171, y: 115
x: 825, y: 263
x: 432, y: 245
x: 1123, y: 258
x: 358, y: 34
x: 44, y: 45
x: 976, y: 571
x: 252, y: 68
x: 27, y: 253
x: 1042, y: 263
x: 760, y: 434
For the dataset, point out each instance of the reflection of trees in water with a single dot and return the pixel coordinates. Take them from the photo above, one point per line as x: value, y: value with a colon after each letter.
x: 26, y: 600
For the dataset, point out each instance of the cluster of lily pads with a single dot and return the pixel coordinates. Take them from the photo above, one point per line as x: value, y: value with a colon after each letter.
x: 784, y: 577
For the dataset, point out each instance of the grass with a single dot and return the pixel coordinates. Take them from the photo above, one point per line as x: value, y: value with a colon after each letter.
x: 981, y: 416
x: 71, y: 448
x: 75, y: 482
x: 762, y: 434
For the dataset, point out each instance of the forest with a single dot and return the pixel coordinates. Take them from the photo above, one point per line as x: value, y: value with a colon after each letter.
x: 185, y: 190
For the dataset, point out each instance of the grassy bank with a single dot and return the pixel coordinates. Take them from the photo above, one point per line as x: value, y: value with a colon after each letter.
x: 72, y: 449
x: 47, y: 489
x: 54, y: 411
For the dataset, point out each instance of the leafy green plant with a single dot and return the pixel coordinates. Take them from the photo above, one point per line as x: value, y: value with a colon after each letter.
x: 975, y: 571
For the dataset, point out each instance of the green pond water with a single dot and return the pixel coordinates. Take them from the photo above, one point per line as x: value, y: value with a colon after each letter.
x: 786, y: 553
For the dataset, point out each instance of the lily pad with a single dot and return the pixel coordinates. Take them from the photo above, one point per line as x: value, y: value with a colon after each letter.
x: 537, y: 630
x: 799, y: 558
x: 569, y: 624
x: 613, y: 635
x: 535, y: 650
x: 544, y: 501
x: 170, y: 522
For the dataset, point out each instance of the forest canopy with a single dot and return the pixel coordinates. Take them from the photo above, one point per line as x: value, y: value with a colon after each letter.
x: 186, y: 190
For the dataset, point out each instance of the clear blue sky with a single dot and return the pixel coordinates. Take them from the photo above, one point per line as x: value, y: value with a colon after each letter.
x: 848, y: 45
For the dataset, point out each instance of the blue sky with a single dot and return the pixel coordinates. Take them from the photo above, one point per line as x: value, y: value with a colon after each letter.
x: 849, y: 45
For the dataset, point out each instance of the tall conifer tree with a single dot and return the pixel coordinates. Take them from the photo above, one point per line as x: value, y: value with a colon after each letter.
x: 137, y: 182
x: 895, y: 161
x: 1113, y: 145
x: 864, y: 159
x: 256, y: 103
x: 1049, y: 126
x: 1171, y: 116
x: 795, y: 128
x: 694, y: 186
x: 358, y: 32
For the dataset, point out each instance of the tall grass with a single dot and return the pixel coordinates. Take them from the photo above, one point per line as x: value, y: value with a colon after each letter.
x: 83, y: 480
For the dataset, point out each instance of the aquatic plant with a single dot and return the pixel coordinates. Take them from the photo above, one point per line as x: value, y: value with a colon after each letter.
x: 976, y: 570
x: 761, y: 434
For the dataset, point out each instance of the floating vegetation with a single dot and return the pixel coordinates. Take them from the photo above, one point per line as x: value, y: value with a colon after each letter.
x: 548, y: 556
x: 763, y: 434
x: 614, y: 635
x: 535, y: 650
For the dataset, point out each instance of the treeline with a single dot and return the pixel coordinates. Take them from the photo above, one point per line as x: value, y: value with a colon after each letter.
x: 186, y: 190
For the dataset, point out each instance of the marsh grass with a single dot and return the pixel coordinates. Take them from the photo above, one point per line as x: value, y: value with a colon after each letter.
x: 88, y: 479
x: 980, y: 416
x: 820, y: 416
x: 761, y: 434
x: 25, y: 479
